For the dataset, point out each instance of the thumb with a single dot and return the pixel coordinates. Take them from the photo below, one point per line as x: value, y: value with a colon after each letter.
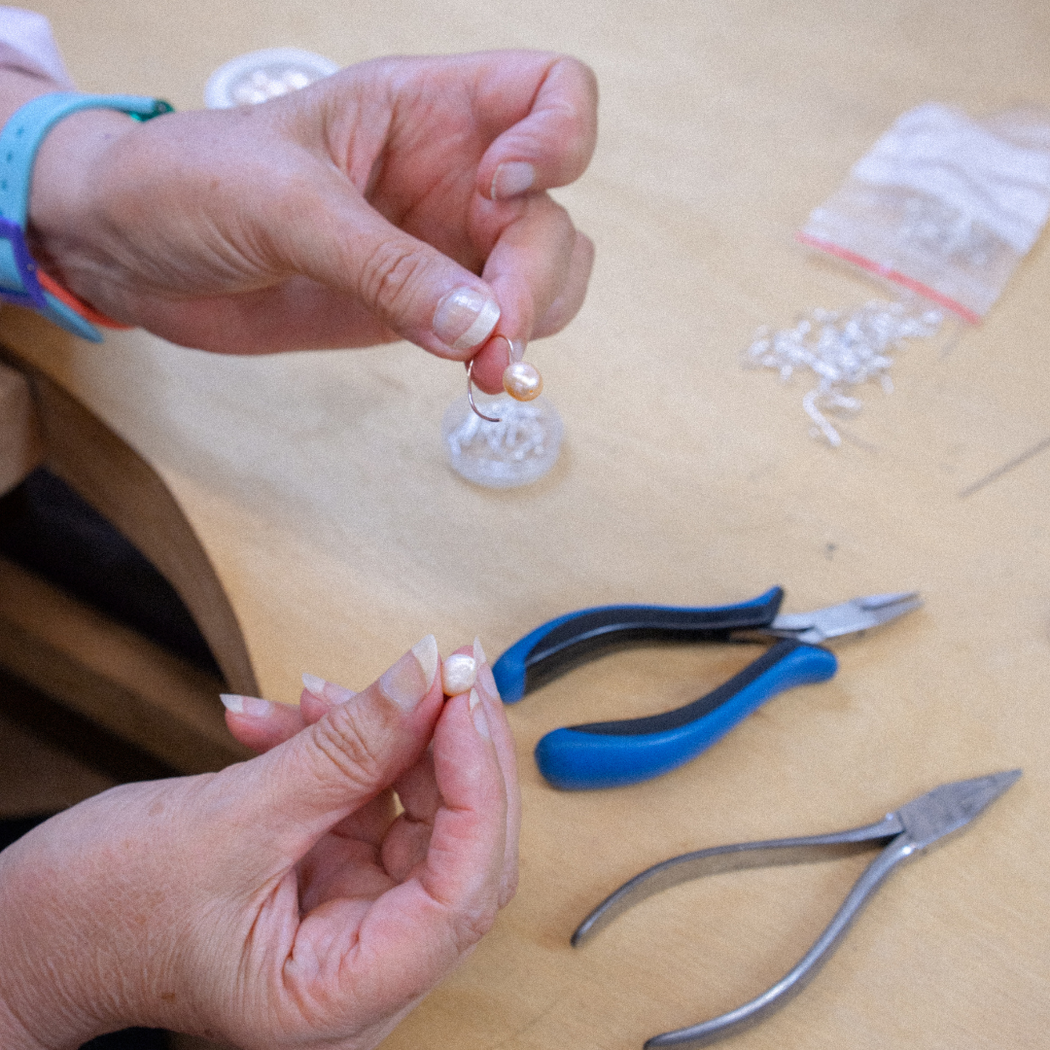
x: 302, y: 788
x: 407, y: 284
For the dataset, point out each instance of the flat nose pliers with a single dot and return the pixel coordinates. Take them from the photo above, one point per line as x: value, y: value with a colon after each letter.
x: 906, y: 833
x: 609, y: 754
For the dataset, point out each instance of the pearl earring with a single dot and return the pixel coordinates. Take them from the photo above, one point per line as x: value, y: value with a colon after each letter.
x: 520, y: 379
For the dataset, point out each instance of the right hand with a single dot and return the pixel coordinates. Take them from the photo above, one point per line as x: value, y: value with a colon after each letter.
x: 349, y: 213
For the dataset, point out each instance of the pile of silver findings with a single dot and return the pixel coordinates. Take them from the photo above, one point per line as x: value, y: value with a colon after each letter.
x: 843, y: 349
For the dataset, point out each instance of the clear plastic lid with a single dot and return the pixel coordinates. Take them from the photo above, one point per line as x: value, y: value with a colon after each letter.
x: 517, y: 450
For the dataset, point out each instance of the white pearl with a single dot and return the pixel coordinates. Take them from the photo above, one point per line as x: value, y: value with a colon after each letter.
x: 522, y: 381
x: 459, y: 672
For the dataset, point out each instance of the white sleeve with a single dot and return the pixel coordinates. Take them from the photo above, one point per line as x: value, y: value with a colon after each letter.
x: 29, y: 34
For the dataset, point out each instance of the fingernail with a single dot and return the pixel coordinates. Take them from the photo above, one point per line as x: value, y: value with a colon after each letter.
x: 458, y: 674
x: 485, y: 678
x: 465, y: 318
x: 516, y: 350
x: 511, y: 178
x: 246, y: 705
x: 426, y: 652
x: 410, y: 679
x: 334, y: 694
x: 477, y: 715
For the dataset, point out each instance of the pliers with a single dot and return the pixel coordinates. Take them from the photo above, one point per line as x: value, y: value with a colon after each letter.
x: 903, y: 834
x: 609, y: 754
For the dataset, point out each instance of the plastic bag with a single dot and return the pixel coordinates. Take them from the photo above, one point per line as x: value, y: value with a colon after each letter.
x: 943, y: 205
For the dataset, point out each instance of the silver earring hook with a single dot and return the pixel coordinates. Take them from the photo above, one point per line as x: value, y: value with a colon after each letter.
x: 470, y: 394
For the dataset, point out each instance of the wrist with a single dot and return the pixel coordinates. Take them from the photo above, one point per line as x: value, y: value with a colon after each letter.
x: 66, y: 222
x: 51, y: 150
x: 37, y: 1006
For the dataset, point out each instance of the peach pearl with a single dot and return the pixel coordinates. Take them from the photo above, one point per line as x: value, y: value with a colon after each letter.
x: 522, y: 381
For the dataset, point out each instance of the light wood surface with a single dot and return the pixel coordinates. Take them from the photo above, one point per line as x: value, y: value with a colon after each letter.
x: 318, y: 488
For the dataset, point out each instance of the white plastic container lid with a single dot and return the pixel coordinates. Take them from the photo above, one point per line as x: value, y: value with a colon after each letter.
x: 261, y: 75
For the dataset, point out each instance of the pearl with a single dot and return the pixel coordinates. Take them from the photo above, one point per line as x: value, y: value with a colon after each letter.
x: 522, y: 381
x: 458, y: 674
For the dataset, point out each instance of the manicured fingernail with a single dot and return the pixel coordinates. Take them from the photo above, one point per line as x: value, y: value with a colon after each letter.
x: 458, y: 674
x: 485, y: 679
x: 426, y: 652
x: 246, y: 705
x: 477, y: 714
x: 511, y: 178
x: 334, y: 694
x: 410, y: 679
x: 465, y: 318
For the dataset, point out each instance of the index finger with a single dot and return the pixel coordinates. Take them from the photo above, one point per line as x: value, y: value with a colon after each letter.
x: 551, y: 144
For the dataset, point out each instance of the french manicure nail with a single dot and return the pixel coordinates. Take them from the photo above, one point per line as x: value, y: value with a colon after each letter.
x: 485, y: 678
x: 511, y: 178
x: 458, y: 674
x: 465, y: 317
x: 314, y: 685
x: 334, y: 694
x: 246, y: 705
x: 478, y: 716
x: 426, y: 652
x: 410, y: 679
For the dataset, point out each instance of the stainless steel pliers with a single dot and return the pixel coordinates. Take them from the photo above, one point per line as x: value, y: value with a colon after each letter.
x: 914, y: 827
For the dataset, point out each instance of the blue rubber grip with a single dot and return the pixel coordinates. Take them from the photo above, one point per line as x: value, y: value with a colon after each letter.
x: 562, y: 643
x: 611, y: 754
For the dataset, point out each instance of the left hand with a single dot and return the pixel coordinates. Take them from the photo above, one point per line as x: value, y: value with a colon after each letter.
x: 266, y: 725
x: 280, y: 903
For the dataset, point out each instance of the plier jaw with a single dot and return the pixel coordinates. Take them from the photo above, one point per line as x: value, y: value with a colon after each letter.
x: 860, y: 614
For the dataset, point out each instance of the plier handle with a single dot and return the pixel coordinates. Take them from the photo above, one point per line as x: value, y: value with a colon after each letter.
x: 609, y: 754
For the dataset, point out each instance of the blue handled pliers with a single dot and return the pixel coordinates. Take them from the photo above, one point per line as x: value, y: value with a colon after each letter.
x: 609, y: 754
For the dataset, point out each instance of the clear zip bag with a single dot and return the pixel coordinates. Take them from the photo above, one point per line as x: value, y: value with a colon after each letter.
x: 943, y: 205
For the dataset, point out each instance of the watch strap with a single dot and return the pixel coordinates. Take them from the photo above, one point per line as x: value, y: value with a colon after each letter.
x: 19, y: 141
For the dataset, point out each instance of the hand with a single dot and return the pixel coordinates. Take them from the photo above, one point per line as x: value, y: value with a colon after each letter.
x: 396, y: 198
x: 262, y: 726
x: 281, y: 902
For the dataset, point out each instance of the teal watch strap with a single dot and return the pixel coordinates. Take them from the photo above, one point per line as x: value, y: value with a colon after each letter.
x: 19, y: 142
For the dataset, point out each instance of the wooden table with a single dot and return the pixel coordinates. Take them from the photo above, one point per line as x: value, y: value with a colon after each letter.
x: 317, y: 486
